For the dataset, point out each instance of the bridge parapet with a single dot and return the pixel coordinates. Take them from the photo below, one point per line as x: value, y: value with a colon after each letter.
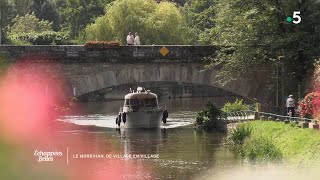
x: 91, y: 69
x: 121, y: 54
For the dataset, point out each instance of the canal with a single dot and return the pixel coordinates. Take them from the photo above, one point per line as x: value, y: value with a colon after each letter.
x: 177, y: 150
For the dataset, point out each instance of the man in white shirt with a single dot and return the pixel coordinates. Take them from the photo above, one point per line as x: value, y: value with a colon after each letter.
x: 136, y: 39
x: 290, y: 103
x: 130, y: 39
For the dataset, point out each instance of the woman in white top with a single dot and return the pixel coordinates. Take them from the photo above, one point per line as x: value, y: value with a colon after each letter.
x: 130, y: 39
x: 136, y: 39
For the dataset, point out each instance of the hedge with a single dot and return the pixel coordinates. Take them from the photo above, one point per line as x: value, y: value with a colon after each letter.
x: 44, y: 38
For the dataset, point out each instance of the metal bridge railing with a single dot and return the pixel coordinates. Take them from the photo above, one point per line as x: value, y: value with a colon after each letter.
x: 248, y: 115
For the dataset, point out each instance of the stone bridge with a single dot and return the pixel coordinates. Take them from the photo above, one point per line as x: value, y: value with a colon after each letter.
x: 86, y: 70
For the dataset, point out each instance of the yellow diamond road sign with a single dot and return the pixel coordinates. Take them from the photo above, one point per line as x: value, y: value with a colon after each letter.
x: 164, y: 51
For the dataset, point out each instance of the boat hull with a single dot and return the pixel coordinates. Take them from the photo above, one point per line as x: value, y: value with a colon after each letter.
x: 143, y: 119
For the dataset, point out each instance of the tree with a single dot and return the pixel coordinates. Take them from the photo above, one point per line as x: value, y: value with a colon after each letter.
x: 165, y: 23
x: 200, y: 15
x: 6, y: 15
x: 29, y: 24
x: 30, y: 30
x: 255, y: 33
x: 79, y: 14
x: 156, y: 23
x: 47, y: 10
x: 22, y: 7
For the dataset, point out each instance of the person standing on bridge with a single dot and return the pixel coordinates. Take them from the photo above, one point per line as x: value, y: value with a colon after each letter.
x: 290, y: 103
x: 130, y: 39
x: 136, y: 39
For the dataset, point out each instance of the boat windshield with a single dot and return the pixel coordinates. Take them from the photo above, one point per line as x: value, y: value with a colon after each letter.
x: 136, y: 103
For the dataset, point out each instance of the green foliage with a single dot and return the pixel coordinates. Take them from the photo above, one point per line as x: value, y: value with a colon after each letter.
x: 209, y: 119
x: 200, y: 17
x: 213, y: 112
x: 22, y: 7
x: 255, y: 34
x: 239, y: 134
x: 199, y: 118
x: 260, y: 149
x: 30, y: 30
x: 43, y: 38
x: 29, y: 23
x: 238, y: 105
x: 100, y: 30
x: 7, y: 14
x: 48, y: 10
x: 277, y: 141
x: 156, y: 23
x: 78, y: 14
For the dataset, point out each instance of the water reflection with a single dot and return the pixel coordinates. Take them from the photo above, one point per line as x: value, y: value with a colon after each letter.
x: 141, y: 141
x: 184, y: 153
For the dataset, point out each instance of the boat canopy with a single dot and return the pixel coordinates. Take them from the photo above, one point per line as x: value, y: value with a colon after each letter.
x: 141, y: 95
x: 141, y: 99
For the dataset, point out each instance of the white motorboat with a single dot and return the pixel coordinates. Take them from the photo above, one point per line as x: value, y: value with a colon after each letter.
x: 141, y: 110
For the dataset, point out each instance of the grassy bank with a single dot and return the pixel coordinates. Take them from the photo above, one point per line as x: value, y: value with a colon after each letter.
x: 271, y: 141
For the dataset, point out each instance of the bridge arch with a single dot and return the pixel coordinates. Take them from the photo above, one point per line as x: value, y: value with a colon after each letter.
x: 87, y: 70
x: 162, y: 89
x: 95, y: 76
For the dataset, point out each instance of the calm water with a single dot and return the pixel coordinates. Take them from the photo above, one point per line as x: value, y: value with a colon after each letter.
x: 183, y: 152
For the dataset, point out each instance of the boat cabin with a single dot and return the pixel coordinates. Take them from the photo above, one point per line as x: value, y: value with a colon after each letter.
x: 140, y: 100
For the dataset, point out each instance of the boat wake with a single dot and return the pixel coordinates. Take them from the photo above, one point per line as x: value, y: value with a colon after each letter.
x: 175, y: 120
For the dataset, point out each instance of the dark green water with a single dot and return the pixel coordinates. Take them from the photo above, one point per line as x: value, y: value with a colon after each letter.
x: 183, y: 152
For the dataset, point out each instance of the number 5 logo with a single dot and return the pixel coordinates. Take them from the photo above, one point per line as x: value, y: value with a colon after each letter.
x: 296, y: 17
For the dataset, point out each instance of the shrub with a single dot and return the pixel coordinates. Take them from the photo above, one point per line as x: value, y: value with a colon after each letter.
x: 199, y: 118
x: 101, y: 44
x: 209, y: 119
x: 238, y: 105
x: 43, y: 38
x: 239, y: 134
x: 310, y: 105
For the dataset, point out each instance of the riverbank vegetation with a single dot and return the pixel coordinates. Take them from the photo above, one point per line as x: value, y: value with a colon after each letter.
x: 265, y: 142
x: 235, y: 106
x: 212, y: 118
x: 209, y: 119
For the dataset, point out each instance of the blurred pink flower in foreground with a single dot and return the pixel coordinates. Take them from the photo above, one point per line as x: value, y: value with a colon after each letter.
x: 28, y: 95
x: 26, y: 104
